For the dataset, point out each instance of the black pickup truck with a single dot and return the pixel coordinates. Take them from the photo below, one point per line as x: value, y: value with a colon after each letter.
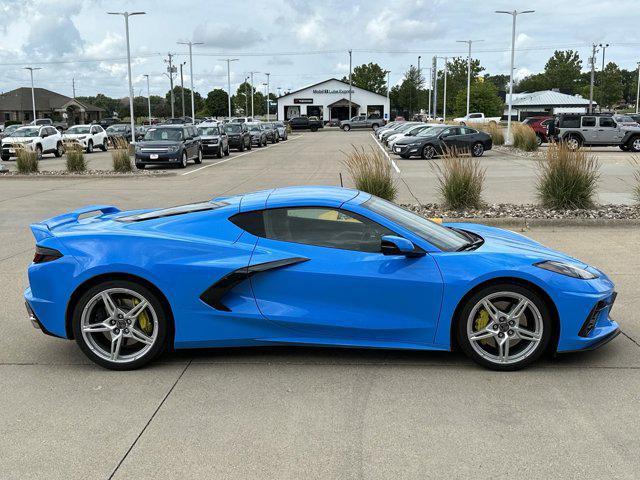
x: 305, y: 123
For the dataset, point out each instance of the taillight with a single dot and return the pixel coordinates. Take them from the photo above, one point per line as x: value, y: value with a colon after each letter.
x: 44, y: 254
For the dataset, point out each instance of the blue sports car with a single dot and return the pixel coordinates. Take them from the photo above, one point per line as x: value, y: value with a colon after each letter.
x: 307, y: 266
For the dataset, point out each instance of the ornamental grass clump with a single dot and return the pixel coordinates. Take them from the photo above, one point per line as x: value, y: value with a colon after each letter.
x: 636, y: 179
x: 120, y: 156
x: 27, y: 161
x: 524, y: 137
x: 371, y: 172
x: 460, y: 181
x: 76, y: 162
x: 567, y: 179
x: 494, y: 130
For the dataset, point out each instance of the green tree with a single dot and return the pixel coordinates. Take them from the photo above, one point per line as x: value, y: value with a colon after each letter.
x: 242, y: 99
x: 531, y: 83
x: 484, y: 98
x: 608, y: 92
x: 562, y: 71
x: 369, y: 76
x: 216, y: 103
x: 501, y: 81
x: 198, y: 101
x: 456, y: 79
x: 409, y: 96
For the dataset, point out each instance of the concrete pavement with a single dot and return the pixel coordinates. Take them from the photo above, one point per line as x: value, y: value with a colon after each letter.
x: 305, y: 412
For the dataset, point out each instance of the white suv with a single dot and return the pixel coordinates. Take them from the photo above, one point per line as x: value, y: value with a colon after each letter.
x: 87, y: 136
x: 41, y: 139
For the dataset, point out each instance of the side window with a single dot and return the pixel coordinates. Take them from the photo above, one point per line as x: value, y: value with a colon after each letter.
x: 607, y: 122
x: 467, y: 131
x: 570, y: 121
x: 588, y: 121
x: 475, y: 115
x: 320, y: 226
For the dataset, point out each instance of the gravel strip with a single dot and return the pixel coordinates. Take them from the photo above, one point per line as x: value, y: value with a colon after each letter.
x: 88, y: 173
x: 516, y: 152
x: 511, y: 211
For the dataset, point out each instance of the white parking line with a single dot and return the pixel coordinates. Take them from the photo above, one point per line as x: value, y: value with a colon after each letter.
x: 238, y: 156
x: 393, y: 163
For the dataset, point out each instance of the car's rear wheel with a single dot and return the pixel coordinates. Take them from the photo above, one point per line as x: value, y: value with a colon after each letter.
x: 185, y: 159
x: 198, y: 159
x: 634, y: 144
x: 219, y: 152
x: 573, y: 142
x: 226, y: 151
x: 428, y: 152
x: 242, y: 146
x: 539, y: 139
x: 120, y: 325
x: 104, y: 147
x: 59, y: 150
x: 477, y: 150
x: 504, y: 327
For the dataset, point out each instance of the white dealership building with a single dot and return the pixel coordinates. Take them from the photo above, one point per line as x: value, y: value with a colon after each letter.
x: 329, y: 100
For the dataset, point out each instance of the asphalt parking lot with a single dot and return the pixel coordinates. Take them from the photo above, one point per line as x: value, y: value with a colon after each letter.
x: 313, y: 413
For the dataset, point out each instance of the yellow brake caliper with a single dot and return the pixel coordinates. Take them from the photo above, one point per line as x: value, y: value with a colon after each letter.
x: 143, y: 319
x: 482, y: 320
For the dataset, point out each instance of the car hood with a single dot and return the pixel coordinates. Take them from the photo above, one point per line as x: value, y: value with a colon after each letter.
x: 209, y: 137
x: 498, y: 240
x: 18, y: 139
x: 75, y: 135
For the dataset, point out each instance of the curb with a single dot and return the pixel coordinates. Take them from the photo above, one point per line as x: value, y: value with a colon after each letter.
x: 87, y: 176
x: 549, y: 222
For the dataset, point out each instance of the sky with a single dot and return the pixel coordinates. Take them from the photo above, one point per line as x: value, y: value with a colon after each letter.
x: 299, y: 42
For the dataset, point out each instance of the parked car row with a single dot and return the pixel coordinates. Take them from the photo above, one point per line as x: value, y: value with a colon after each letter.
x: 429, y: 140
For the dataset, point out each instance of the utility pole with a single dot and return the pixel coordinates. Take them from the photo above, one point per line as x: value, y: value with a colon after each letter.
x: 148, y: 98
x: 33, y: 94
x: 604, y: 49
x: 419, y: 79
x: 171, y: 70
x: 444, y: 96
x: 191, y: 44
x: 349, y: 84
x: 251, y: 73
x: 126, y: 16
x: 435, y: 87
x: 469, y: 42
x: 182, y: 88
x: 638, y: 91
x: 73, y: 86
x: 592, y: 61
x: 229, y: 60
x: 514, y: 14
x: 268, y: 103
x: 246, y: 99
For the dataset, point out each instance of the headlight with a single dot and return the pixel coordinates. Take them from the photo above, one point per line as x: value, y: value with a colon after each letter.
x: 566, y: 269
x: 173, y: 149
x: 413, y: 145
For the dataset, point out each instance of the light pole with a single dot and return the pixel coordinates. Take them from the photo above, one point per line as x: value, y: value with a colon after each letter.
x: 33, y: 94
x: 469, y: 42
x: 638, y: 91
x: 604, y: 49
x: 514, y: 14
x: 349, y: 84
x: 191, y: 44
x: 444, y: 93
x: 419, y: 79
x: 268, y: 104
x: 149, y: 99
x: 434, y: 72
x: 182, y: 89
x: 126, y: 16
x: 229, y: 60
x: 251, y: 73
x: 592, y: 62
x: 246, y: 99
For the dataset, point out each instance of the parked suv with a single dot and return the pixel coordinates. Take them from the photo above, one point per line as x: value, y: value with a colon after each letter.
x: 258, y: 135
x: 540, y: 125
x: 597, y: 130
x: 239, y: 136
x: 214, y: 139
x: 169, y: 145
x: 271, y: 131
x: 41, y: 139
x: 87, y: 137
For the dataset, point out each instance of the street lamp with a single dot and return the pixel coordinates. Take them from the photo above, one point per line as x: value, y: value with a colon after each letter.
x: 148, y: 99
x: 514, y: 14
x: 246, y: 99
x: 33, y: 95
x: 191, y: 44
x: 638, y: 91
x: 268, y: 105
x: 604, y: 49
x: 126, y: 16
x: 469, y: 42
x: 229, y: 60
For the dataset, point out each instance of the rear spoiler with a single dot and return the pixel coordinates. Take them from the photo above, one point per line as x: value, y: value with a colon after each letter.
x: 44, y: 229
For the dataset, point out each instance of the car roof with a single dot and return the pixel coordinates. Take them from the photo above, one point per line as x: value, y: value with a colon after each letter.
x: 312, y: 195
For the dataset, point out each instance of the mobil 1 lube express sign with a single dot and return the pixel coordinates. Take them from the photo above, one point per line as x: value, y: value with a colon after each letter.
x: 333, y: 91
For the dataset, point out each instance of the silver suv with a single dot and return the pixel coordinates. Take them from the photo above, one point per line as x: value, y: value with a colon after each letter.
x: 597, y: 130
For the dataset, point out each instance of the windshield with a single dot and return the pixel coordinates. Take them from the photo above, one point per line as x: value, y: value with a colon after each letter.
x: 441, y: 237
x: 11, y: 128
x: 279, y: 124
x: 170, y: 134
x: 117, y: 128
x: 208, y: 131
x: 27, y: 132
x: 254, y: 128
x: 237, y: 128
x: 405, y: 127
x: 79, y: 129
x: 430, y: 131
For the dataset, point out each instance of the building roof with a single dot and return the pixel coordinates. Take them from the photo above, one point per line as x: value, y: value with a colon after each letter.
x: 329, y: 80
x: 548, y: 98
x: 46, y: 100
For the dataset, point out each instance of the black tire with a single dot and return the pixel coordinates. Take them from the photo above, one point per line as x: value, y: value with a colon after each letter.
x: 104, y: 146
x: 634, y: 144
x: 314, y: 129
x: 198, y: 159
x: 219, y: 153
x: 185, y: 160
x: 346, y: 128
x: 39, y: 151
x: 573, y: 142
x: 5, y: 158
x: 428, y: 152
x: 140, y: 166
x: 226, y: 151
x: 59, y: 150
x: 375, y: 127
x: 477, y: 150
x: 162, y: 317
x: 241, y: 146
x: 465, y: 312
x: 539, y: 139
x: 90, y: 146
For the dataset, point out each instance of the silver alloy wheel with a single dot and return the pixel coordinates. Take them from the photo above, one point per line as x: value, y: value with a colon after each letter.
x: 199, y: 156
x: 121, y: 330
x: 184, y: 160
x: 636, y: 145
x: 478, y: 150
x: 513, y: 330
x: 573, y: 143
x: 429, y: 152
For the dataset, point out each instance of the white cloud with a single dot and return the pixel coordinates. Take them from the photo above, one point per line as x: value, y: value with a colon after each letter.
x: 312, y: 31
x: 409, y: 21
x: 226, y: 35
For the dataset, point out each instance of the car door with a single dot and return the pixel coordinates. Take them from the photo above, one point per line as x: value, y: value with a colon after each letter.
x: 336, y: 284
x: 450, y: 138
x: 188, y: 141
x: 224, y: 141
x: 50, y: 142
x: 608, y: 131
x: 588, y: 130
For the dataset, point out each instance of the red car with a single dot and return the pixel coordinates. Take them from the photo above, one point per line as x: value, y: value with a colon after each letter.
x: 540, y: 126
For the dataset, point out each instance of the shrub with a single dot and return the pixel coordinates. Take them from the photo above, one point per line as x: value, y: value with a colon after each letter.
x: 567, y: 179
x: 75, y: 157
x: 524, y: 137
x: 121, y: 160
x: 494, y: 130
x: 460, y: 181
x: 371, y: 172
x: 27, y: 161
x: 636, y: 178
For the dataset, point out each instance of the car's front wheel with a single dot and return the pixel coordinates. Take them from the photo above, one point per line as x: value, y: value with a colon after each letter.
x: 504, y: 327
x: 198, y: 158
x: 634, y: 144
x: 346, y: 128
x: 185, y: 159
x: 120, y: 325
x: 477, y: 150
x: 428, y: 152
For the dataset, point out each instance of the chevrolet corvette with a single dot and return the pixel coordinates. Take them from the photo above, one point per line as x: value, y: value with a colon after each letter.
x: 322, y: 266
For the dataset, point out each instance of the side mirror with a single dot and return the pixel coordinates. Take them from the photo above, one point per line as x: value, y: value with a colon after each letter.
x: 408, y: 134
x: 393, y: 245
